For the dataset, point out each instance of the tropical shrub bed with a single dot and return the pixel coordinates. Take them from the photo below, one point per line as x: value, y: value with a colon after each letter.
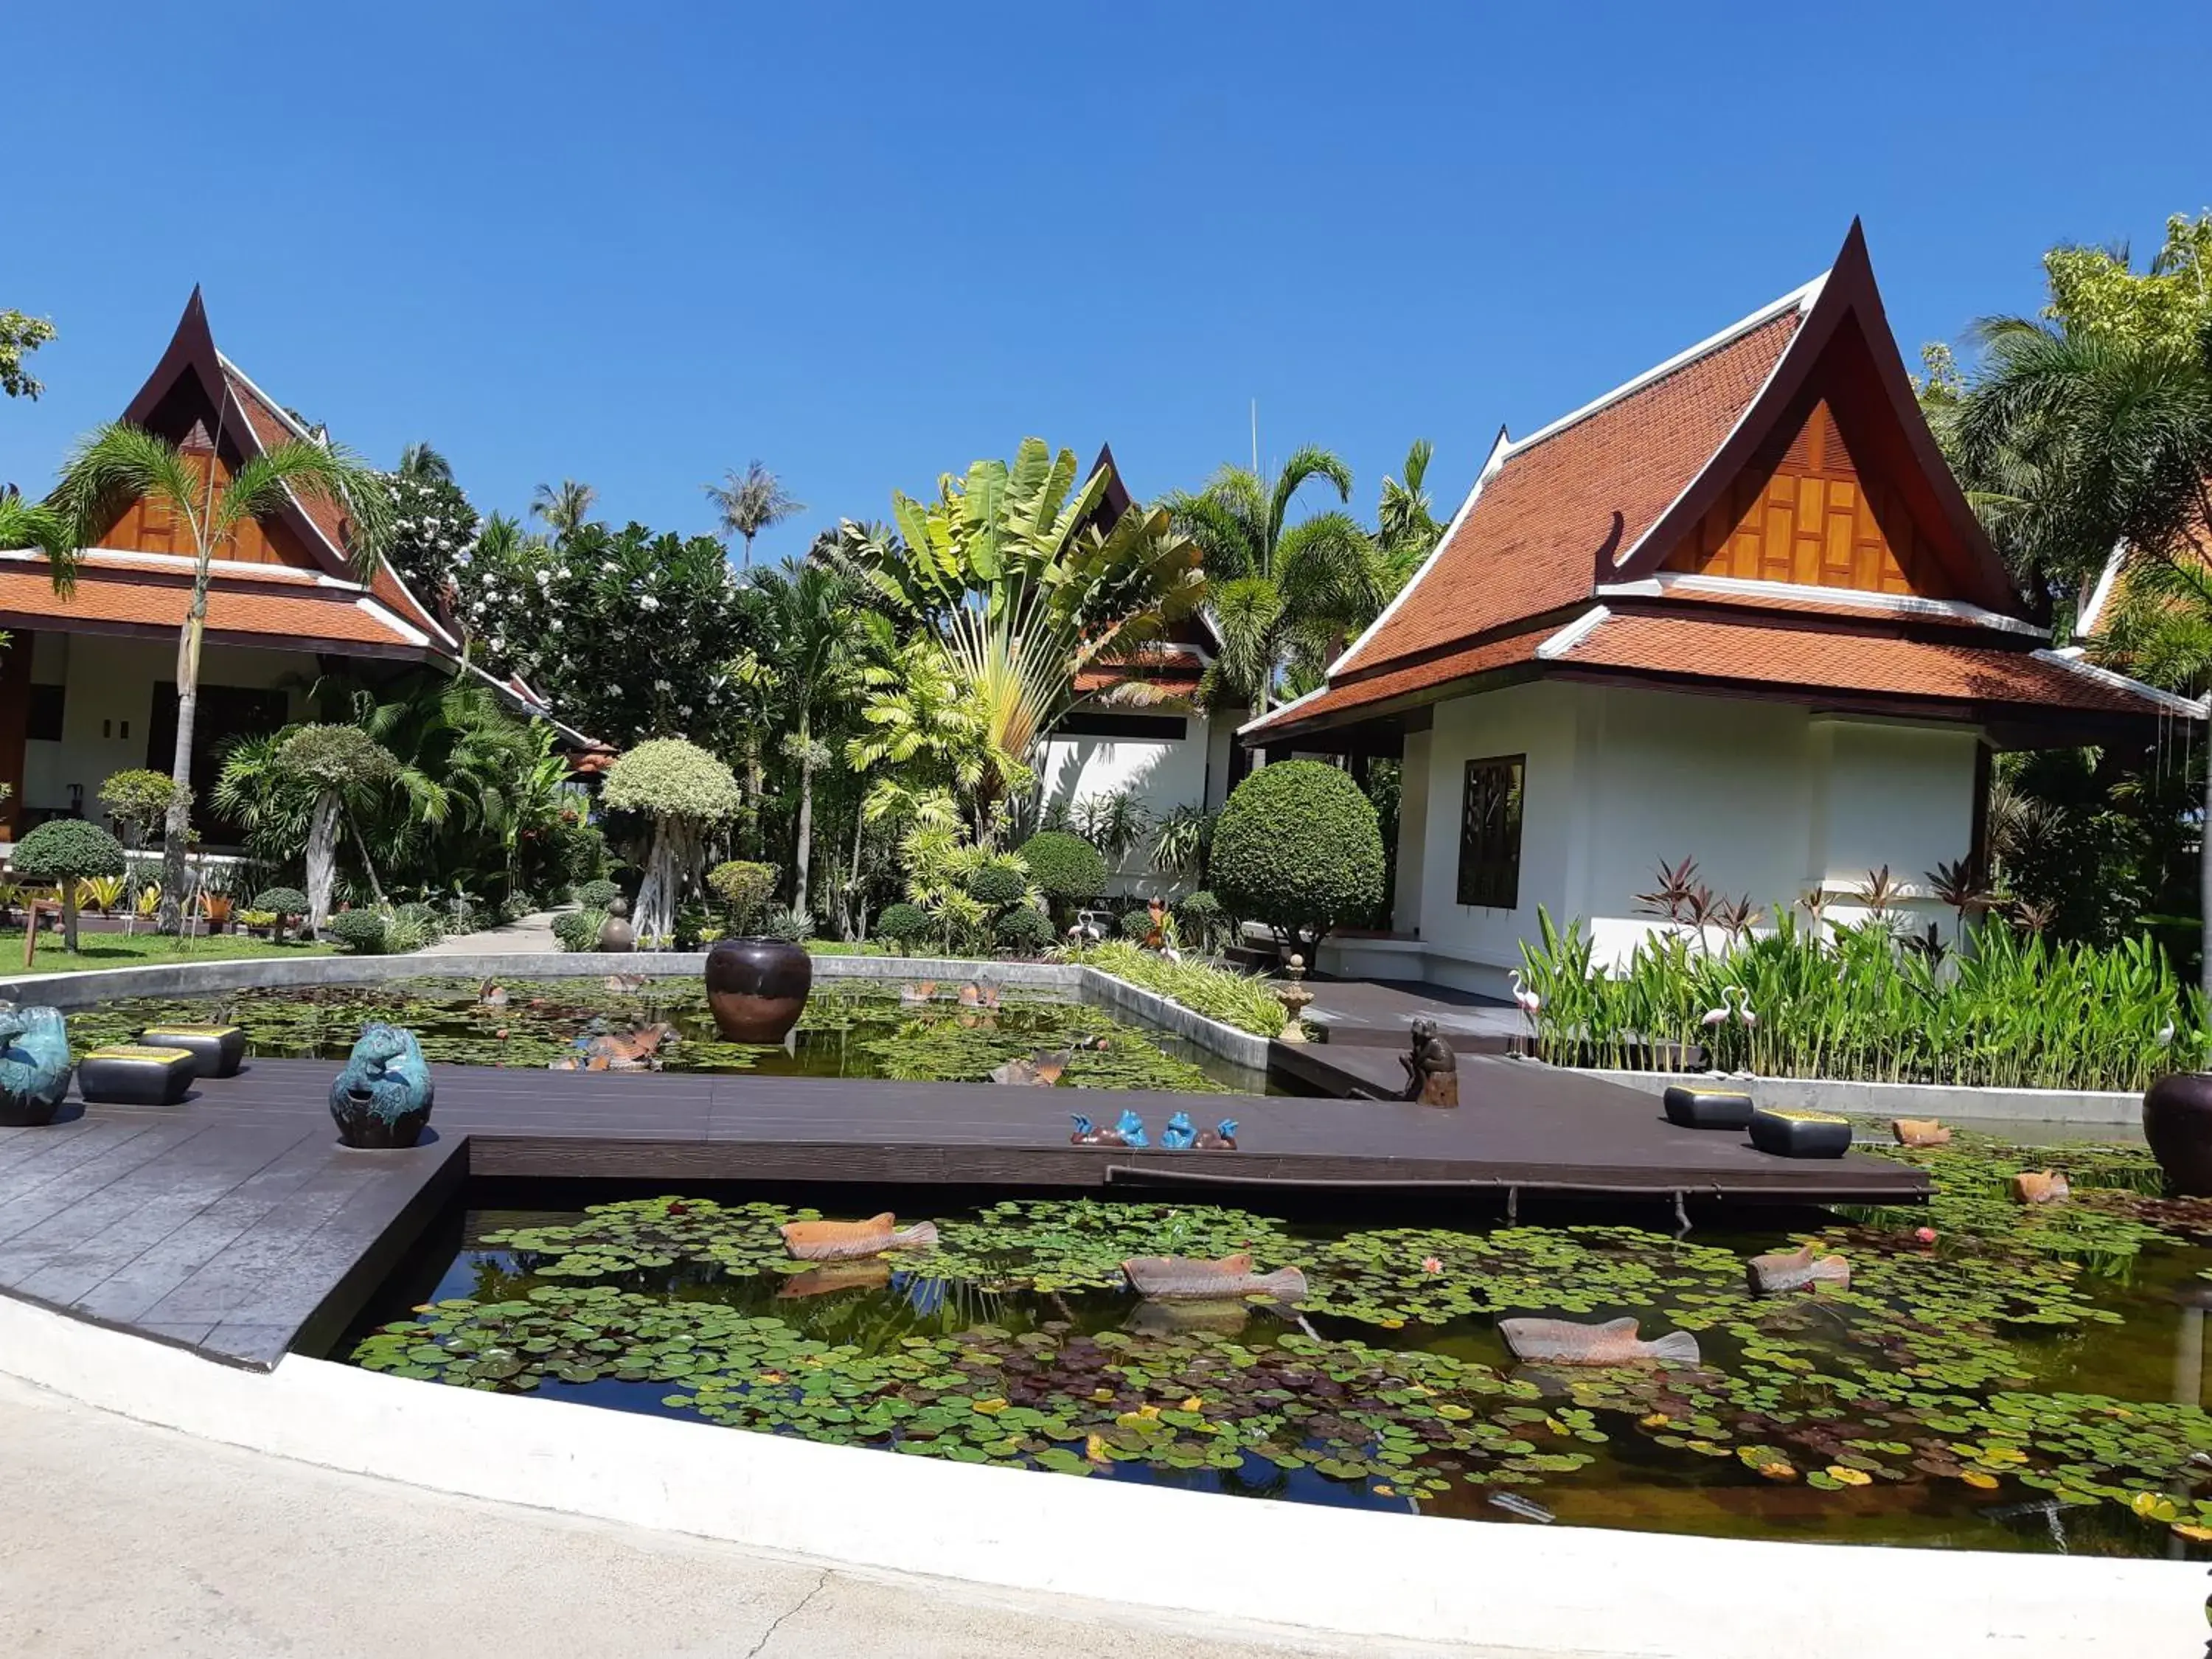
x: 1231, y: 998
x: 1981, y: 1381
x: 2005, y: 1011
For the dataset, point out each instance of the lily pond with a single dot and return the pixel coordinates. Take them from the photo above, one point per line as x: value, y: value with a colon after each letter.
x: 1993, y: 1377
x: 945, y: 1032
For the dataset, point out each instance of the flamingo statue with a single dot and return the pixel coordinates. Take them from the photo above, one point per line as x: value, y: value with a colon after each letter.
x: 1530, y: 1005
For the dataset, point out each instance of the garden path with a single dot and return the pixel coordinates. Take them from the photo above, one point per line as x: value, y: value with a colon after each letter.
x: 240, y: 1554
x: 529, y: 935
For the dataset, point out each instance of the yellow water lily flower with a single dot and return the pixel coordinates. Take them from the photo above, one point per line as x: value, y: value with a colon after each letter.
x: 1848, y: 1476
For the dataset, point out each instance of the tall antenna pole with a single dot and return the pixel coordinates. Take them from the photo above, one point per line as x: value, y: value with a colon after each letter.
x: 1255, y: 435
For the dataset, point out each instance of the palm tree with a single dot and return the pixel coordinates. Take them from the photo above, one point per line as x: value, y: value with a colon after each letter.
x: 750, y: 502
x: 1406, y: 532
x: 29, y: 524
x: 119, y: 462
x: 816, y: 637
x: 1283, y: 595
x: 566, y: 508
x: 2074, y: 440
x: 425, y: 464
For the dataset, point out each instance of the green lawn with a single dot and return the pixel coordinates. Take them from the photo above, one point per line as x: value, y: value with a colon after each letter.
x: 137, y: 950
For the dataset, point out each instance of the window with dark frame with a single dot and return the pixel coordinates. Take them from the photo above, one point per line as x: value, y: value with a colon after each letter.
x: 1490, y: 834
x: 43, y: 720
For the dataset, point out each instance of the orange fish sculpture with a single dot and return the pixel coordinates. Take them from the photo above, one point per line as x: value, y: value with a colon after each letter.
x: 1796, y: 1270
x: 869, y: 1275
x: 1184, y: 1279
x: 1567, y: 1342
x: 850, y: 1241
x: 1920, y: 1132
x: 2040, y: 1186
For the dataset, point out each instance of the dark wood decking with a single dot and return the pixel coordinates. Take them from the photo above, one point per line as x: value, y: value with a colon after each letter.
x: 236, y: 1225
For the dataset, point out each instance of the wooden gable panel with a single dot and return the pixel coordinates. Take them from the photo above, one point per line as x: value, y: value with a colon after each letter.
x: 1810, y: 517
x: 146, y: 526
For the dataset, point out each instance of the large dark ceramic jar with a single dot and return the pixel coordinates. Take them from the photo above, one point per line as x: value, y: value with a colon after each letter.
x: 756, y: 988
x: 2177, y: 1121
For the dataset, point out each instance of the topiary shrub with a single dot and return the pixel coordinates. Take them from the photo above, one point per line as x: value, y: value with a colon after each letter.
x: 1026, y: 928
x: 579, y: 930
x: 1066, y: 869
x: 905, y: 925
x: 686, y: 791
x: 1299, y: 848
x: 65, y: 850
x: 1201, y: 918
x: 1136, y: 926
x: 137, y: 800
x: 597, y: 894
x: 998, y: 883
x: 745, y: 887
x: 358, y: 932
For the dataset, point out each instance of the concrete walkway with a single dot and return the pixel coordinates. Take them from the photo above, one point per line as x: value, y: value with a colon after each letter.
x: 121, y: 1539
x: 529, y: 935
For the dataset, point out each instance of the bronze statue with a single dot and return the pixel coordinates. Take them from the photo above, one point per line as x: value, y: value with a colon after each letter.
x: 1432, y: 1069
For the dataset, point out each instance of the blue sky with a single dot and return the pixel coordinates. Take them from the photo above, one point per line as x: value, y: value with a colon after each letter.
x: 639, y: 243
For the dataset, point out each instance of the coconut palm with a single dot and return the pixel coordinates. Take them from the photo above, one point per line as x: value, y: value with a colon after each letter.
x: 2073, y: 441
x: 1284, y: 596
x: 425, y: 464
x: 817, y: 634
x: 119, y: 462
x: 751, y: 501
x: 566, y: 508
x: 30, y: 525
x: 1406, y: 532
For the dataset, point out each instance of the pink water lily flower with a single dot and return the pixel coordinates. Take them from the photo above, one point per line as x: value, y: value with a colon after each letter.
x: 1430, y: 1265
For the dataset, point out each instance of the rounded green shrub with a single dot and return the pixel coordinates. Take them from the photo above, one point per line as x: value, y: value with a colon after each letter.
x: 1136, y: 924
x: 1066, y: 869
x: 997, y: 884
x: 905, y: 924
x: 1298, y: 848
x: 284, y: 901
x: 1200, y: 917
x: 1025, y: 928
x: 597, y: 894
x: 579, y: 930
x: 670, y: 777
x: 67, y: 849
x: 745, y: 887
x: 358, y: 932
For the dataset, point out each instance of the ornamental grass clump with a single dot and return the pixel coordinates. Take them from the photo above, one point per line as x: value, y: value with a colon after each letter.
x: 1299, y: 848
x: 686, y: 792
x: 66, y: 851
x: 1233, y: 998
x: 2001, y: 1011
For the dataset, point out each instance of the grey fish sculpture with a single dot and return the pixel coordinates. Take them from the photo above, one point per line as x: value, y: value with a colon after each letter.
x: 1185, y: 1278
x: 1570, y: 1342
x: 34, y: 1065
x: 383, y: 1096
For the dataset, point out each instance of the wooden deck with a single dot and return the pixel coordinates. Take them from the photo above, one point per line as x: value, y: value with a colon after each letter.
x: 236, y: 1225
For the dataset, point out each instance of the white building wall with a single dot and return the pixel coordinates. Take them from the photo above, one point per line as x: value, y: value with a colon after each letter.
x: 107, y: 705
x: 1769, y: 799
x: 1161, y: 775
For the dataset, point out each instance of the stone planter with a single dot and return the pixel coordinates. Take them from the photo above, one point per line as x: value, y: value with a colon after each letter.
x: 1788, y: 1134
x: 2177, y: 1121
x: 216, y: 1050
x: 135, y: 1075
x: 1694, y: 1108
x: 757, y: 987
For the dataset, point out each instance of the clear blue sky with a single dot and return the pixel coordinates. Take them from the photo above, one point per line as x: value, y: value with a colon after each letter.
x: 638, y: 243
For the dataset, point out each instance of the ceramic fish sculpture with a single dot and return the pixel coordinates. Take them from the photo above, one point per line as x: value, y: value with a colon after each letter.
x: 1180, y: 1135
x: 850, y: 1241
x: 1568, y: 1342
x: 840, y: 1276
x: 1919, y: 1132
x: 1185, y: 1278
x: 1796, y: 1270
x: 977, y: 994
x: 634, y: 1050
x: 1038, y: 1071
x: 1131, y: 1129
x: 492, y: 994
x: 1222, y: 1138
x: 34, y: 1064
x: 626, y: 982
x: 920, y: 992
x: 2040, y: 1186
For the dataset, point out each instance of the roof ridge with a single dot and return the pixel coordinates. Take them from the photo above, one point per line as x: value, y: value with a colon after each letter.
x: 1800, y: 299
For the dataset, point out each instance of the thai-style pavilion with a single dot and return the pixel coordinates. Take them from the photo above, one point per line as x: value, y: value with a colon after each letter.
x: 1737, y: 610
x: 88, y: 686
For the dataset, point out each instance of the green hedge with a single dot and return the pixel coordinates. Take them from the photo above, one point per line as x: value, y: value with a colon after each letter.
x: 1298, y: 848
x: 1066, y: 868
x: 358, y: 932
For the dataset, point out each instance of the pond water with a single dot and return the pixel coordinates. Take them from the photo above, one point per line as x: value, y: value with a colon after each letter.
x: 2027, y: 1380
x: 855, y: 1033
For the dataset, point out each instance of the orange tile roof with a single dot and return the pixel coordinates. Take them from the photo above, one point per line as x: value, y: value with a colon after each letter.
x: 1427, y: 675
x: 1530, y: 542
x: 278, y: 612
x: 1815, y: 659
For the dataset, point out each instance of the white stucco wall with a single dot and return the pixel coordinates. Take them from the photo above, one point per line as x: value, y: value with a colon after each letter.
x: 1769, y: 798
x: 1163, y: 775
x: 108, y: 702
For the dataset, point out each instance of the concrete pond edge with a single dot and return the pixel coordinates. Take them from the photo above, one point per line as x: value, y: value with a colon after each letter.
x: 1077, y: 980
x: 1501, y: 1586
